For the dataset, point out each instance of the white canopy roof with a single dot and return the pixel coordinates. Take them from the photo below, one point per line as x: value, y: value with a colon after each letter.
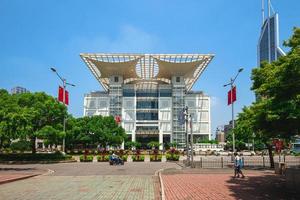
x: 159, y: 67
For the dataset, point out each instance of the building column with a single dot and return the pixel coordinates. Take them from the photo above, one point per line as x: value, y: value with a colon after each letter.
x: 161, y: 141
x: 133, y: 137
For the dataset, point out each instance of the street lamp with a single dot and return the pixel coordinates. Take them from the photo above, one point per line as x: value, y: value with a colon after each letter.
x: 65, y: 83
x: 232, y: 106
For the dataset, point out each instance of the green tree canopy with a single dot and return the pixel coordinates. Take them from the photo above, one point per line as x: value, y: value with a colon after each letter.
x: 276, y: 113
x: 24, y: 115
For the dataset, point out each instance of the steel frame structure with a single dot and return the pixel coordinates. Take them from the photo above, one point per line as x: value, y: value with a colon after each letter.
x: 155, y: 67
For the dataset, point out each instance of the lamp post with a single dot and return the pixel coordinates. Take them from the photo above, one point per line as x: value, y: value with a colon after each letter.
x: 65, y: 83
x: 232, y: 106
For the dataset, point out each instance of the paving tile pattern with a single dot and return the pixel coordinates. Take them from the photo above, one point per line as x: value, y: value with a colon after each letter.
x: 80, y: 187
x: 223, y: 186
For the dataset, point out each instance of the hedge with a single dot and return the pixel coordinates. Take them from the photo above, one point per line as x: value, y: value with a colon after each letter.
x: 88, y: 158
x: 158, y: 158
x: 135, y: 158
x: 34, y: 157
x: 172, y: 157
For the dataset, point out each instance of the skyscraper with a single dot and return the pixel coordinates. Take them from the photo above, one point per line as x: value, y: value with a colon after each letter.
x: 268, y: 44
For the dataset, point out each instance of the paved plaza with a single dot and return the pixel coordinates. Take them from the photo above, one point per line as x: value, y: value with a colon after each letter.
x: 220, y: 184
x: 138, y: 181
x: 81, y: 187
x: 85, y: 181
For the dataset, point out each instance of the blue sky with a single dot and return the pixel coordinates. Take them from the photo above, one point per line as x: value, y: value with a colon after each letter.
x: 36, y: 35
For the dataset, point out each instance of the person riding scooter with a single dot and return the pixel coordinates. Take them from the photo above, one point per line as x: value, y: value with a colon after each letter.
x: 115, y: 160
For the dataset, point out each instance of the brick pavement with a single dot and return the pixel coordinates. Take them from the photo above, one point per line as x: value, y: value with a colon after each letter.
x: 80, y: 187
x: 209, y: 185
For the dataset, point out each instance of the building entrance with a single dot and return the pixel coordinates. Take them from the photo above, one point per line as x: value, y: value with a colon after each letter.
x: 145, y: 139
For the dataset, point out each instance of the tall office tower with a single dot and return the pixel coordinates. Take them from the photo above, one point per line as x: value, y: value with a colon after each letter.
x: 268, y: 44
x: 148, y: 92
x: 18, y: 90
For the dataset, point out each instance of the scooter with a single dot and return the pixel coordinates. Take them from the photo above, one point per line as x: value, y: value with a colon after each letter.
x: 116, y: 161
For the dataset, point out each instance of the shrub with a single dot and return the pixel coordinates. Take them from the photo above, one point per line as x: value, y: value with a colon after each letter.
x: 158, y: 158
x: 21, y: 145
x: 86, y: 159
x: 172, y: 157
x: 124, y: 158
x: 138, y: 158
x: 296, y: 153
x: 34, y: 157
x: 103, y: 158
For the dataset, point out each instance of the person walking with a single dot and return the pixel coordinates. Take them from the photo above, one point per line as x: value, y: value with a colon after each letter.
x: 238, y: 164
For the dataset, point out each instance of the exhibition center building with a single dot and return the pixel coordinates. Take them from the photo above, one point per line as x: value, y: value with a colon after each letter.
x: 147, y: 92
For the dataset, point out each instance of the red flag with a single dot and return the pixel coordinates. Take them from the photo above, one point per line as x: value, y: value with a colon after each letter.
x: 231, y: 96
x: 66, y: 97
x: 60, y: 94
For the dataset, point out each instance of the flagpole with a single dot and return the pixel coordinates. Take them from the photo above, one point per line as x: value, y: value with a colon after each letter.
x: 64, y: 101
x: 232, y: 115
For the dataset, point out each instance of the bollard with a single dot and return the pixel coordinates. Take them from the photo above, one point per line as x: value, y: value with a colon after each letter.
x: 263, y: 161
x: 200, y: 162
x: 222, y: 163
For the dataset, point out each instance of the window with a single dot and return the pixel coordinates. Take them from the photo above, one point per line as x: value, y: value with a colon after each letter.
x: 128, y: 93
x: 147, y: 104
x: 146, y: 116
x: 177, y: 79
x: 116, y: 79
x: 165, y: 92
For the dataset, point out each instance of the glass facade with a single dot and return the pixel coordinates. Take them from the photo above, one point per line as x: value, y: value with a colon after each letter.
x: 147, y: 116
x: 268, y: 46
x: 151, y: 104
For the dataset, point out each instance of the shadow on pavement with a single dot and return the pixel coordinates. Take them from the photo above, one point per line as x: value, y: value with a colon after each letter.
x: 266, y: 186
x: 15, y: 169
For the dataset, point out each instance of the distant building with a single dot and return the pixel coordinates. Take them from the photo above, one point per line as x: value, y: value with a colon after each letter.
x: 220, y: 135
x: 268, y: 48
x: 18, y: 90
x: 227, y: 129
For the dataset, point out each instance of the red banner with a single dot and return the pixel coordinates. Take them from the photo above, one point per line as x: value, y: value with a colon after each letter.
x: 231, y: 95
x: 61, y: 95
x: 66, y: 97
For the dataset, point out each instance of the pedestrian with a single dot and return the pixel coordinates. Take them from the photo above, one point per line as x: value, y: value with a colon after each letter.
x: 238, y: 164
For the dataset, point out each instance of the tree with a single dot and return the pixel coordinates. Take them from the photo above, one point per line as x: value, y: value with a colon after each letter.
x: 276, y: 113
x: 37, y: 111
x: 95, y: 130
x: 50, y: 135
x: 9, y: 117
